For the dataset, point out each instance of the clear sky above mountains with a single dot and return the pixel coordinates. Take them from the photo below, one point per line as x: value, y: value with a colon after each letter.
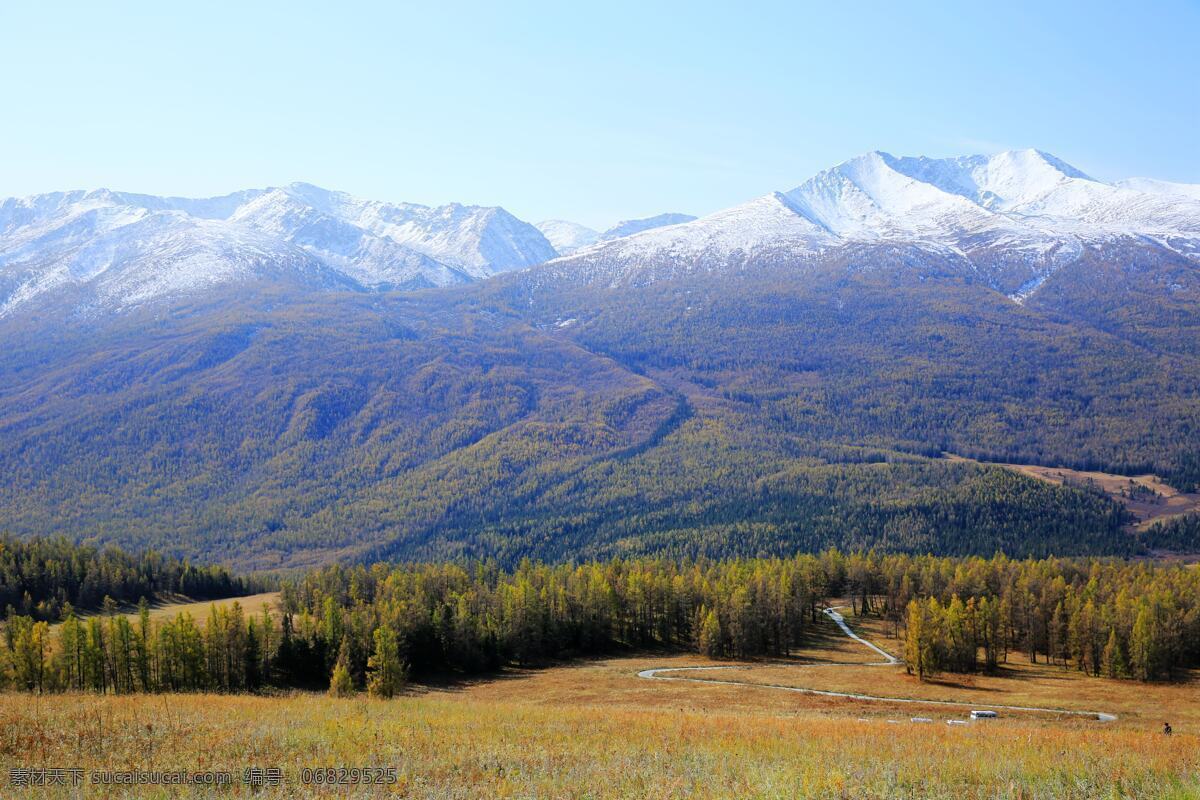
x: 592, y: 113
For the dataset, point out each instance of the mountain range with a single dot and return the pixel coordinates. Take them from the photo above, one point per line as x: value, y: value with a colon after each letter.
x: 284, y: 376
x: 113, y: 250
x: 1014, y: 219
x: 104, y: 251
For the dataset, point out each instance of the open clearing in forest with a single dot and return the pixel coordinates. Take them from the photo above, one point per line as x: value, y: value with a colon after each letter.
x: 781, y: 677
x: 1150, y: 500
x: 168, y: 607
x: 838, y: 664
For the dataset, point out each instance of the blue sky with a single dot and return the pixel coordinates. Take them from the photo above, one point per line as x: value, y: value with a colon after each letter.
x: 585, y: 112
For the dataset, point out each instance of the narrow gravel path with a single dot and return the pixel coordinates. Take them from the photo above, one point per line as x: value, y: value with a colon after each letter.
x: 833, y: 614
x: 671, y: 674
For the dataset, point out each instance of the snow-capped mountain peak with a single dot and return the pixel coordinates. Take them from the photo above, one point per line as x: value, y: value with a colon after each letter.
x: 868, y: 197
x: 1009, y: 219
x: 84, y: 241
x: 734, y: 235
x: 1000, y: 182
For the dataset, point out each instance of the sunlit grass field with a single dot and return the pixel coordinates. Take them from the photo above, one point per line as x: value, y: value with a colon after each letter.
x: 455, y: 744
x: 168, y: 608
x: 596, y: 730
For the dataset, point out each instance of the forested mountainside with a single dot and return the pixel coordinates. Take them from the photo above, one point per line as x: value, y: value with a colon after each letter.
x: 781, y: 376
x: 755, y: 414
x: 925, y: 361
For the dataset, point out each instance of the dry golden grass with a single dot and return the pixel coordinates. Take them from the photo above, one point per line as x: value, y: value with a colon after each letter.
x: 458, y: 744
x: 167, y: 608
x: 596, y: 730
x: 1138, y: 706
x: 614, y: 683
x: 251, y: 604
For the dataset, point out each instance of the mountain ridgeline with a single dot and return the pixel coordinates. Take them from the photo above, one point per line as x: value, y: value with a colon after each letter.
x: 778, y: 377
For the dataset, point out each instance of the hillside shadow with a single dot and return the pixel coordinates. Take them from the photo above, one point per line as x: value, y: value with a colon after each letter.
x: 952, y: 683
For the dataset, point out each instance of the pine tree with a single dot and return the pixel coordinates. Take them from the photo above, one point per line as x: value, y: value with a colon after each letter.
x: 95, y: 659
x: 341, y: 684
x: 121, y: 649
x: 29, y: 643
x: 1143, y: 645
x: 709, y: 640
x: 143, y: 645
x: 386, y: 671
x: 192, y: 655
x: 990, y: 631
x: 252, y: 657
x: 922, y: 634
x: 216, y: 652
x: 266, y: 646
x: 959, y: 645
x: 332, y: 627
x: 71, y: 645
x: 1114, y: 657
x: 1059, y: 639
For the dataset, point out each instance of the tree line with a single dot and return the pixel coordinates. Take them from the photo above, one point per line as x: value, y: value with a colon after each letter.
x: 1113, y: 618
x: 42, y: 577
x: 374, y: 627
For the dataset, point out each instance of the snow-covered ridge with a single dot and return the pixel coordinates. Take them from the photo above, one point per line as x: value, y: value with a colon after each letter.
x: 1013, y: 218
x: 566, y: 236
x: 629, y: 227
x: 571, y: 237
x: 100, y: 243
x: 1152, y: 186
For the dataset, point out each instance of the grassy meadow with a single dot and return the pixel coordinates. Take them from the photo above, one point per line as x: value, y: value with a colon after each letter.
x: 721, y: 744
x: 595, y: 730
x: 168, y: 607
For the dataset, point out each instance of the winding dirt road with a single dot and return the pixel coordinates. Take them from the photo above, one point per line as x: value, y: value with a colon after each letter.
x: 669, y: 674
